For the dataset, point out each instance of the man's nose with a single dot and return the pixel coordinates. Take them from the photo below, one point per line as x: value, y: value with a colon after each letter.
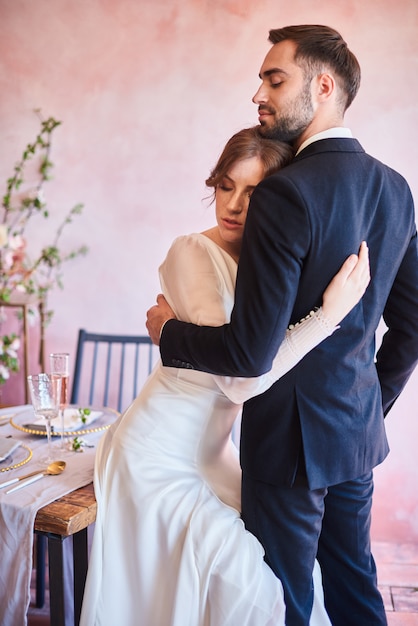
x: 260, y: 95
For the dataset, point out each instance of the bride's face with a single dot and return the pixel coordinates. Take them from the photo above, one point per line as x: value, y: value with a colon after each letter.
x: 232, y: 197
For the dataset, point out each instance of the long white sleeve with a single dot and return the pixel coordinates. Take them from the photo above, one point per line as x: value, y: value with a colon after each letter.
x: 198, y: 280
x: 299, y: 340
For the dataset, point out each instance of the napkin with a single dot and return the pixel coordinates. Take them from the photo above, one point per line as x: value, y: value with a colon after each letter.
x: 7, y: 446
x: 72, y: 420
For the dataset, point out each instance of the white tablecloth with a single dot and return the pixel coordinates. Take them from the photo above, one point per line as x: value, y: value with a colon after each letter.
x: 18, y: 511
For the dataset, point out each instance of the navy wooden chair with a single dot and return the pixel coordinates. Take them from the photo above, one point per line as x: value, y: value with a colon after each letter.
x: 109, y: 371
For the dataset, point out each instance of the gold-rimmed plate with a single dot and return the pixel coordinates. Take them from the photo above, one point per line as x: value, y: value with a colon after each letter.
x: 19, y: 457
x: 25, y: 422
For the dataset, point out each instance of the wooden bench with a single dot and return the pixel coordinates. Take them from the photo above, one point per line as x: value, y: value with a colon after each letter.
x: 69, y: 516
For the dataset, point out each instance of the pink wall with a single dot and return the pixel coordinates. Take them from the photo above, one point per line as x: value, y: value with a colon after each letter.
x: 148, y: 92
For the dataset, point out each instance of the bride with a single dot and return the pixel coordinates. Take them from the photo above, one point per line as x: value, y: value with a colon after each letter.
x: 170, y: 548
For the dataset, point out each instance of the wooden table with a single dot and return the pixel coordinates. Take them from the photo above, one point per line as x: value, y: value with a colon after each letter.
x: 54, y: 517
x: 69, y: 516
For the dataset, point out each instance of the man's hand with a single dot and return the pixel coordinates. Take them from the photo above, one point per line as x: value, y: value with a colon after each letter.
x: 157, y: 315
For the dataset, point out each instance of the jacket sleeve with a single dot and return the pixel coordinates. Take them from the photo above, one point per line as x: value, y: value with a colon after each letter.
x: 268, y: 276
x: 397, y: 356
x: 196, y: 290
x: 298, y: 341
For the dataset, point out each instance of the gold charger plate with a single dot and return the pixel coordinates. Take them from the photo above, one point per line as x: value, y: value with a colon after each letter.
x: 25, y: 419
x: 19, y: 457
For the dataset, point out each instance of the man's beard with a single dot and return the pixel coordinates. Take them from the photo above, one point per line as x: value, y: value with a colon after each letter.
x: 291, y: 125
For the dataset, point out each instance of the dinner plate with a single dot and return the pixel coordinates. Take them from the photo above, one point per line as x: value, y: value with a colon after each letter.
x: 17, y: 458
x: 25, y: 422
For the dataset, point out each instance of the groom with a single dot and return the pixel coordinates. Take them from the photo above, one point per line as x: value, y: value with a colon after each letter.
x: 310, y: 443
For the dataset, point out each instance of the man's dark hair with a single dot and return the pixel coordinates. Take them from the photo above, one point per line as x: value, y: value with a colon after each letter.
x: 319, y: 47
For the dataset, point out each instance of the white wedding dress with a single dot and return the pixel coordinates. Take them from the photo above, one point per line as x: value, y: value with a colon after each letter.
x: 170, y: 548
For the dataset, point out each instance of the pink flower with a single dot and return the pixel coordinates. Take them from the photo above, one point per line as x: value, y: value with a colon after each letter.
x: 4, y: 372
x: 17, y: 242
x: 12, y: 349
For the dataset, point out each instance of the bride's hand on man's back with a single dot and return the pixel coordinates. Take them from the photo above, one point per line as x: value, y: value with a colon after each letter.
x: 348, y: 286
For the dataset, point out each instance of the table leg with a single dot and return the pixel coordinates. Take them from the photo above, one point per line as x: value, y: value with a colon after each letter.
x: 80, y: 556
x: 40, y: 570
x: 56, y: 579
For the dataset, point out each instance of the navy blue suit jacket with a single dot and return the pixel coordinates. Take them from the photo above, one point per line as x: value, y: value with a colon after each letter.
x: 302, y: 224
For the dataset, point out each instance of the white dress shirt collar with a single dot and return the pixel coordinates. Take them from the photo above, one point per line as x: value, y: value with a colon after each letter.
x: 338, y: 131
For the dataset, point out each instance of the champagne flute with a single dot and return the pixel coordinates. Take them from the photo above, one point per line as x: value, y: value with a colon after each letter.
x: 45, y: 393
x: 60, y: 364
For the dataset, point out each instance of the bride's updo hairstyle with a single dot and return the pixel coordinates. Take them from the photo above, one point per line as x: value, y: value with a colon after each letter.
x: 248, y: 143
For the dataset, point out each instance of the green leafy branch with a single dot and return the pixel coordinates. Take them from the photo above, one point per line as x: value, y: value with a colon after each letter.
x: 17, y: 269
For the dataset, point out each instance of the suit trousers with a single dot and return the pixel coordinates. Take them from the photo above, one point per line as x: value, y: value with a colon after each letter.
x: 295, y: 525
x: 344, y: 553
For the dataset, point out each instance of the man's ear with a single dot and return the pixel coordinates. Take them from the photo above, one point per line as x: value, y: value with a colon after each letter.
x: 324, y: 87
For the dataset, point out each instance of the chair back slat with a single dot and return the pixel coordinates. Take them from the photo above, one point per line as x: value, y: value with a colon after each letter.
x: 93, y: 374
x: 150, y: 358
x: 107, y: 376
x: 136, y: 367
x: 110, y: 369
x: 121, y: 372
